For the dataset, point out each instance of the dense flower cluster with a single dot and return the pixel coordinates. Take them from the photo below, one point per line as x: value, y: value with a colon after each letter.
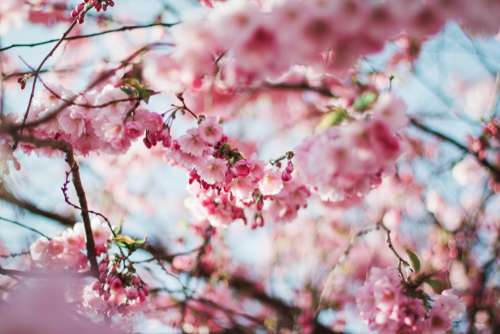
x: 79, y: 11
x: 118, y: 290
x: 343, y: 163
x: 67, y: 251
x: 387, y: 307
x: 331, y: 35
x: 223, y: 183
x: 105, y: 120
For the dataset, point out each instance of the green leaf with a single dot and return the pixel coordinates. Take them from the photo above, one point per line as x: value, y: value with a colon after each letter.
x: 134, y: 88
x: 333, y: 118
x: 436, y: 285
x: 415, y: 262
x: 365, y: 101
x: 145, y: 94
x: 126, y: 241
x: 117, y: 229
x: 127, y: 90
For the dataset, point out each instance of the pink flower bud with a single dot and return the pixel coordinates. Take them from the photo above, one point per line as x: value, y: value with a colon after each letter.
x: 241, y: 168
x: 286, y: 176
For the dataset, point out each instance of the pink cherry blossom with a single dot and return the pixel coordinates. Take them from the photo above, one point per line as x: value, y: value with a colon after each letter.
x: 271, y: 183
x: 210, y: 131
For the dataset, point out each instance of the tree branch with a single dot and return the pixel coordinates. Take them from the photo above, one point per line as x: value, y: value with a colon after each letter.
x: 100, y: 33
x: 36, y: 74
x: 243, y: 286
x: 28, y: 206
x: 12, y: 128
x: 77, y: 183
x: 10, y: 221
x: 494, y: 170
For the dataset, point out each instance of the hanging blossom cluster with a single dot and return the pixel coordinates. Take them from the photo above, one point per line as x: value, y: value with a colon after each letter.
x: 328, y: 35
x: 344, y: 162
x: 388, y: 307
x: 81, y: 9
x: 223, y: 183
x: 118, y: 289
x: 105, y: 120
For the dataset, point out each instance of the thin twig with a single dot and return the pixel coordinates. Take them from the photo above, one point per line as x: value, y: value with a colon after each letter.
x: 36, y: 74
x: 100, y: 33
x: 26, y: 205
x: 17, y: 254
x: 494, y: 170
x: 389, y: 243
x: 341, y: 260
x: 13, y: 222
x: 11, y: 128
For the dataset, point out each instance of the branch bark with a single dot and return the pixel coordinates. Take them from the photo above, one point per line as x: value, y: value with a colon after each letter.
x: 494, y: 170
x: 100, y: 33
x: 80, y: 192
x: 77, y: 183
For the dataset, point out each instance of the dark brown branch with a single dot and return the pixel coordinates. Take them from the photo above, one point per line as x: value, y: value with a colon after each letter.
x: 169, y: 257
x: 28, y: 206
x: 494, y: 170
x: 243, y: 286
x: 77, y: 183
x: 88, y: 105
x: 17, y: 254
x: 388, y: 241
x: 304, y: 86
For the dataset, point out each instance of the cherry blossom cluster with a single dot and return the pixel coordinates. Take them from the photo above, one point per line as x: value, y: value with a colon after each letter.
x: 67, y: 251
x: 117, y: 291
x: 81, y: 9
x: 330, y: 35
x: 389, y: 307
x: 105, y: 120
x: 489, y: 139
x: 223, y: 183
x: 344, y: 162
